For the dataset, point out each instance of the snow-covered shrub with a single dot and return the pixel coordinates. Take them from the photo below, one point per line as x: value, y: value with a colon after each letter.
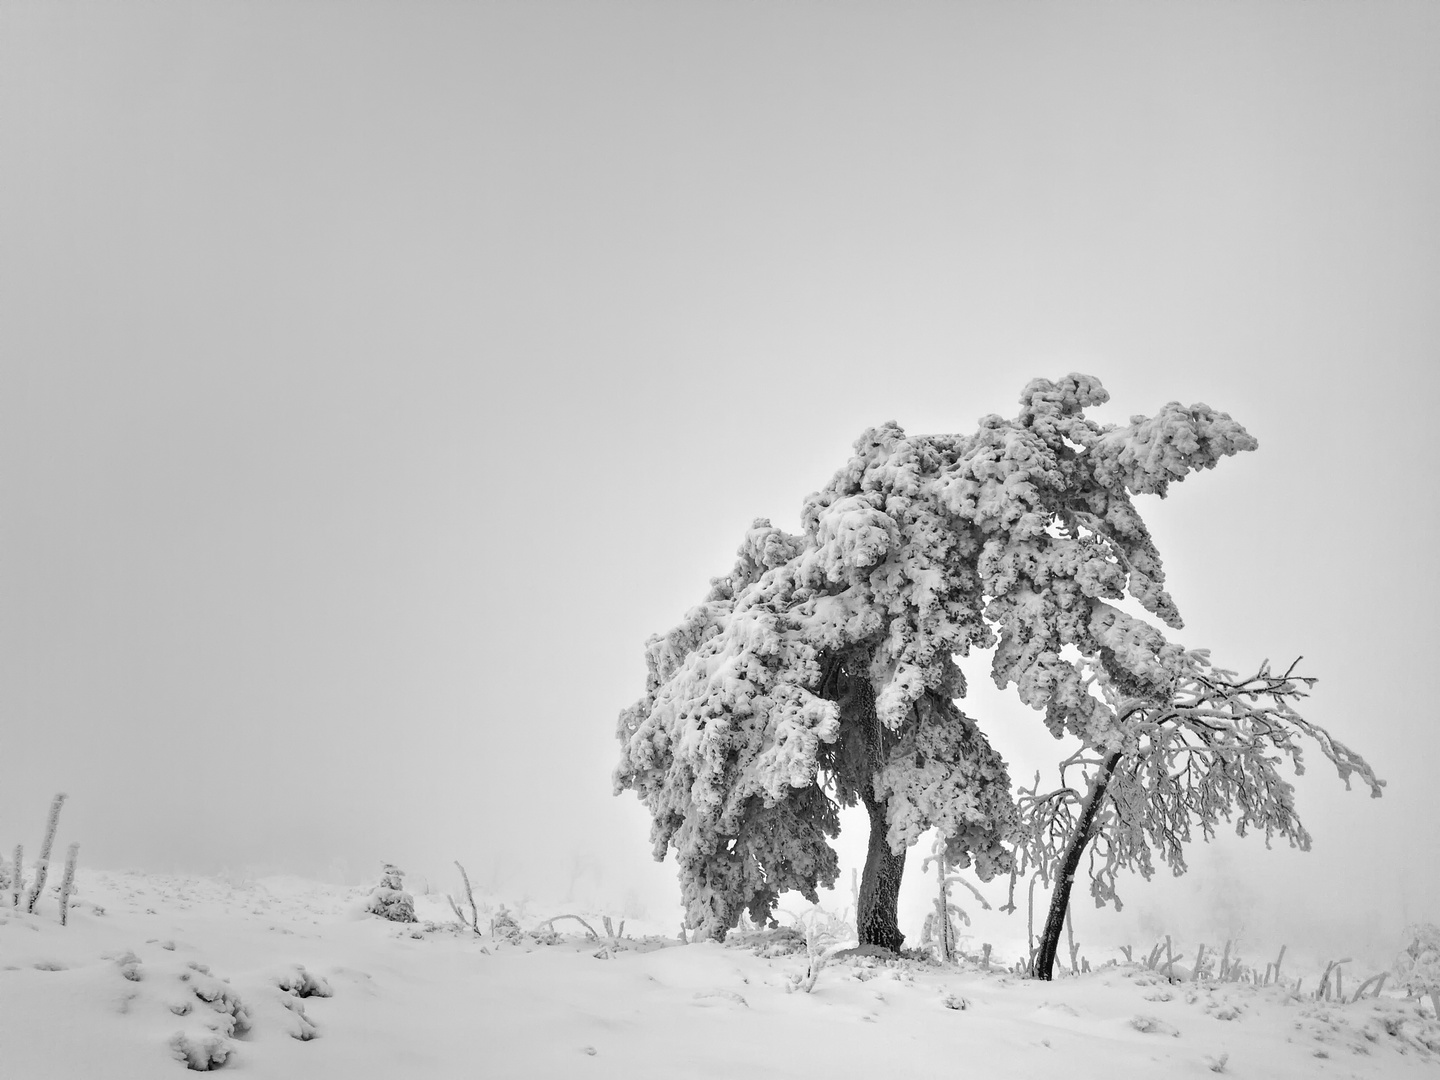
x: 389, y: 899
x: 825, y: 934
x: 301, y: 983
x: 205, y: 1043
x: 201, y: 1052
x: 503, y: 926
x: 1417, y: 968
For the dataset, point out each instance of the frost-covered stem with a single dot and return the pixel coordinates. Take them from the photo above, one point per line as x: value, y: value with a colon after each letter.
x: 1377, y: 981
x: 1199, y: 959
x: 1065, y: 878
x: 18, y: 885
x: 67, y: 883
x: 1323, y: 992
x: 459, y: 915
x: 1277, y: 962
x: 1170, y: 959
x: 588, y: 928
x: 1070, y: 939
x: 43, y: 863
x: 470, y: 896
x: 1030, y: 924
x: 942, y: 913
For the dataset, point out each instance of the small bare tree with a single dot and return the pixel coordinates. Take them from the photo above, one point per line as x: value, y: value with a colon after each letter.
x: 1208, y: 751
x: 941, y: 931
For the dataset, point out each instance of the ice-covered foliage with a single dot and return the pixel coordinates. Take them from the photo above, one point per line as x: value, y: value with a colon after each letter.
x: 941, y: 930
x: 1208, y: 754
x: 821, y: 671
x: 503, y: 926
x: 389, y: 899
x: 1417, y: 968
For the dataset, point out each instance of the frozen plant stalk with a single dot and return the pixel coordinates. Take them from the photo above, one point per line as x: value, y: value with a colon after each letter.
x: 42, y: 864
x: 470, y: 896
x: 18, y: 884
x: 67, y: 883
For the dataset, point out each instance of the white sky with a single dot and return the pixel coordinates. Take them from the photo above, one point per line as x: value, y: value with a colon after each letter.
x: 374, y: 379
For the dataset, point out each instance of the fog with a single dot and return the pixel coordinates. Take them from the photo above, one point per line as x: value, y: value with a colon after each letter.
x: 375, y: 379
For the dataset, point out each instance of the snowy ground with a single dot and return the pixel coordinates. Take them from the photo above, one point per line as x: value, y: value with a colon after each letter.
x: 151, y: 968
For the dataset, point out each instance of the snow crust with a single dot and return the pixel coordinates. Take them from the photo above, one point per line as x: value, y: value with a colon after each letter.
x: 285, y: 978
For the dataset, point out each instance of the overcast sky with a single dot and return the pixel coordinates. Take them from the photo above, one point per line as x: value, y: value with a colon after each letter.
x: 374, y: 379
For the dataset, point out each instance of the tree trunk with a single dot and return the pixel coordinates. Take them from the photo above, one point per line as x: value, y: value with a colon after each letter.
x: 1065, y: 877
x: 878, y: 919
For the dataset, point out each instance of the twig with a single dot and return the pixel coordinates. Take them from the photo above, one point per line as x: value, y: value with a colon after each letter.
x: 474, y: 911
x: 1378, y: 980
x: 590, y: 929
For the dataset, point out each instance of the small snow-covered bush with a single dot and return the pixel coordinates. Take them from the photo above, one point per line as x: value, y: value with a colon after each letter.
x: 301, y: 983
x: 201, y: 1051
x: 215, y: 1014
x: 825, y: 934
x: 389, y: 899
x: 503, y: 926
x: 1417, y: 968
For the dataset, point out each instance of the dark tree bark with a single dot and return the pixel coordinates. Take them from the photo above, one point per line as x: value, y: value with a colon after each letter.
x: 1065, y: 877
x: 877, y: 920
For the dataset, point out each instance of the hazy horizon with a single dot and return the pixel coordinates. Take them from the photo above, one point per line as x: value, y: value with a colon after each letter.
x: 374, y: 380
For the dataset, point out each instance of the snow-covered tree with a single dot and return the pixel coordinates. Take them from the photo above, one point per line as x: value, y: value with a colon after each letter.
x: 1209, y: 752
x: 821, y: 672
x: 389, y: 899
x: 1417, y: 968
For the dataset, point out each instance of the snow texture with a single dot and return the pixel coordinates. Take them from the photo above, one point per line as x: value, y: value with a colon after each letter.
x: 163, y: 980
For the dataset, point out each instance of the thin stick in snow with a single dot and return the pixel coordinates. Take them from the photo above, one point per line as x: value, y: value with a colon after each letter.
x: 588, y: 928
x: 67, y: 883
x: 42, y: 864
x: 470, y: 896
x: 18, y: 885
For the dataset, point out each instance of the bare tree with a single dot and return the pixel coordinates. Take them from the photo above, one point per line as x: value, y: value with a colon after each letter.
x: 1210, y: 753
